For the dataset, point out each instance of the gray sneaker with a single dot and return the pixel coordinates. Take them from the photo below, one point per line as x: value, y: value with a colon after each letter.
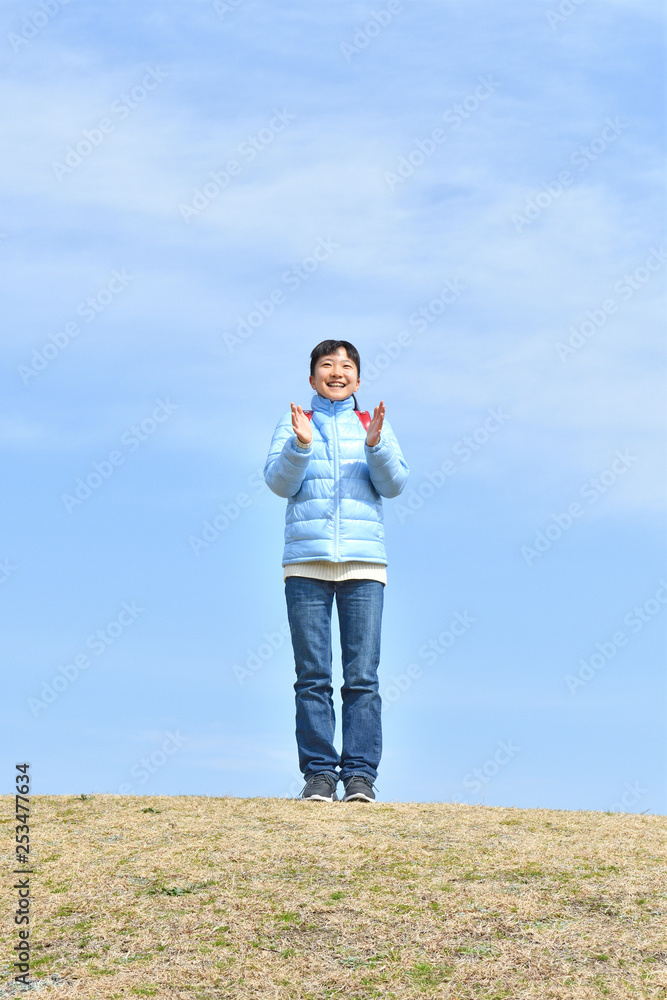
x: 359, y: 788
x: 321, y: 787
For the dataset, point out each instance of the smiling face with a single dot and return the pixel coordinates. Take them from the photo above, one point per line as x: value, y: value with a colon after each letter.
x: 335, y: 376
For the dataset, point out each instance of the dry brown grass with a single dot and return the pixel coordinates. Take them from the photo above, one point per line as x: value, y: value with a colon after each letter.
x: 189, y: 897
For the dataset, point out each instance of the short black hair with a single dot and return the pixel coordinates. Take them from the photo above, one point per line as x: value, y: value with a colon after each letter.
x: 330, y: 347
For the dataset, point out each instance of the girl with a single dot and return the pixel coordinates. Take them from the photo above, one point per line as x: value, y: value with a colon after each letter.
x: 334, y: 470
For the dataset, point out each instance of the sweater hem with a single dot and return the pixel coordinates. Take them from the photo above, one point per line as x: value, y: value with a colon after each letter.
x: 332, y: 572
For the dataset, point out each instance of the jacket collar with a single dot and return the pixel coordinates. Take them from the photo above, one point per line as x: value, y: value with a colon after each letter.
x: 332, y: 407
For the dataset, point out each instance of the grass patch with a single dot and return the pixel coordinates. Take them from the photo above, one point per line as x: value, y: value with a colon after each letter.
x: 176, y: 890
x: 288, y: 917
x: 402, y: 901
x: 424, y: 974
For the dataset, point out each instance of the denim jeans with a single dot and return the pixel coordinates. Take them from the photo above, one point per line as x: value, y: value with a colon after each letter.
x: 359, y: 604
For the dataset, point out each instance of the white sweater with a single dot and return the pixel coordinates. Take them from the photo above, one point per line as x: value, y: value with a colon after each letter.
x: 320, y: 569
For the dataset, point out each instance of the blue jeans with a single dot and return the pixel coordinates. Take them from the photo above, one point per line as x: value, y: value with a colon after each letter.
x: 359, y: 604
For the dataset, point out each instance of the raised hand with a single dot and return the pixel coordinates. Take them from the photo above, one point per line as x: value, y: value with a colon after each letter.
x: 301, y: 424
x: 375, y: 426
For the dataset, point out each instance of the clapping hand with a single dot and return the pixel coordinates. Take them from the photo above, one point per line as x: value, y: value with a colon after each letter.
x: 375, y: 426
x: 301, y: 424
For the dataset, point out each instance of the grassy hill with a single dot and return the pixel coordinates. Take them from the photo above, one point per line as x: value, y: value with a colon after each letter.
x: 190, y: 897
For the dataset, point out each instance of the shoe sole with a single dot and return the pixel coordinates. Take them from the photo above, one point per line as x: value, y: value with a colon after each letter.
x: 358, y: 797
x: 318, y: 798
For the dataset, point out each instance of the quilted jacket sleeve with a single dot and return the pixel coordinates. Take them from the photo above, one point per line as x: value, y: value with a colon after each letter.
x: 388, y: 469
x: 286, y: 464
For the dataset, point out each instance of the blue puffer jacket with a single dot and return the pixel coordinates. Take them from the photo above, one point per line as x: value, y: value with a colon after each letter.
x: 334, y: 488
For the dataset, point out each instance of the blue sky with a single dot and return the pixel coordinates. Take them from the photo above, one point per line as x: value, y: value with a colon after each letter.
x: 194, y: 195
